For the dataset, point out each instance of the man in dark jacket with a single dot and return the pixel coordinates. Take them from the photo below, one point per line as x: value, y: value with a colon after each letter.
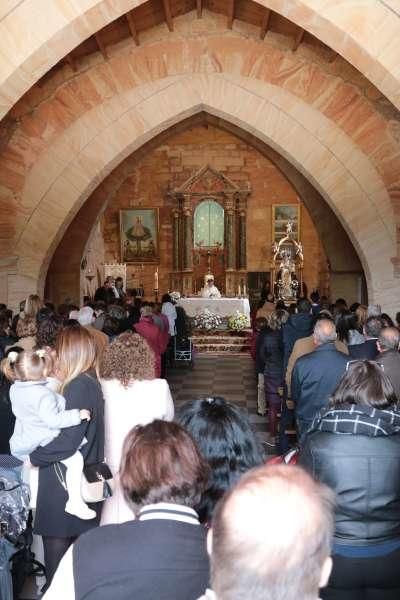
x: 105, y: 293
x: 388, y: 346
x: 298, y: 326
x: 316, y: 375
x: 368, y: 350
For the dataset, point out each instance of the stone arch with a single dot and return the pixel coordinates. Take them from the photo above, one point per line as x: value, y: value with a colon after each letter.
x: 101, y: 139
x: 26, y: 56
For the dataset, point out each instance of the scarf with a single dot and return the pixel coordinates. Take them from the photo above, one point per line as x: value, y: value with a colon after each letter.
x: 358, y: 419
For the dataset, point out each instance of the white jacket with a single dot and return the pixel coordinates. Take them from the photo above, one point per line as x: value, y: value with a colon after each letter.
x: 139, y: 404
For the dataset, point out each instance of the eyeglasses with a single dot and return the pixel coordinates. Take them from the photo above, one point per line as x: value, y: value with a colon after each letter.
x: 362, y: 360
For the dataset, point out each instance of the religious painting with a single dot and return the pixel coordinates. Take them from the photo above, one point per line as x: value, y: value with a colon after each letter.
x: 139, y: 235
x: 281, y: 214
x: 209, y: 225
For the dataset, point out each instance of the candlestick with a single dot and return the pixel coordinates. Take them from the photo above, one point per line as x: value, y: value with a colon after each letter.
x: 156, y: 279
x: 244, y: 290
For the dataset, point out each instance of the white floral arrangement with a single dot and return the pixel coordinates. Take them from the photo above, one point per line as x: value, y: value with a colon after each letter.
x: 207, y: 320
x: 238, y: 321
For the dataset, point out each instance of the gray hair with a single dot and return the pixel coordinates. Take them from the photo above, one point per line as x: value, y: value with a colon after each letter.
x: 324, y: 331
x: 373, y: 327
x: 389, y: 338
x: 86, y: 316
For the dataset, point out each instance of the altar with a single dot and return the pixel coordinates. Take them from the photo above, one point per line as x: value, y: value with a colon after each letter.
x: 224, y: 307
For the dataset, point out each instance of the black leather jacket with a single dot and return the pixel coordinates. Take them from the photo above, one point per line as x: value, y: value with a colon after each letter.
x: 364, y: 471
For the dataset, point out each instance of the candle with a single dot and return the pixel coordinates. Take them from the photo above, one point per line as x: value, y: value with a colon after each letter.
x: 244, y: 290
x: 156, y: 279
x: 239, y: 290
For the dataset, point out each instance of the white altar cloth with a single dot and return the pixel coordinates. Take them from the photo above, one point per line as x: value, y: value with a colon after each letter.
x: 224, y: 307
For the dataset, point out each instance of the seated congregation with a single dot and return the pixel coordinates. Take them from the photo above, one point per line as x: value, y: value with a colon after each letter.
x: 192, y: 506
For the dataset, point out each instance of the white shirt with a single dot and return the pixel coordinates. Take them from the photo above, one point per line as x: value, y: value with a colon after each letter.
x: 169, y: 310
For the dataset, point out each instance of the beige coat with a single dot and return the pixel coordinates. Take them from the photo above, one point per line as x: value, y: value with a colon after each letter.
x: 305, y: 346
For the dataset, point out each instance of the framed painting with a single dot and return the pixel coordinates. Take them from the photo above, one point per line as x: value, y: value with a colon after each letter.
x: 281, y: 214
x: 139, y: 235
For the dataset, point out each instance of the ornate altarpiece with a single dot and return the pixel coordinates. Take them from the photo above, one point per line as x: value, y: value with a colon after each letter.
x: 226, y: 261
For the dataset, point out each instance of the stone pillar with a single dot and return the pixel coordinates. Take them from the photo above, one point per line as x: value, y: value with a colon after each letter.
x: 230, y: 235
x: 187, y: 235
x: 242, y: 241
x: 176, y: 241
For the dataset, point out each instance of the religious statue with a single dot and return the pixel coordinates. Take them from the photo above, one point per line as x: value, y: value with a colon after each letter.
x: 287, y: 260
x: 209, y: 290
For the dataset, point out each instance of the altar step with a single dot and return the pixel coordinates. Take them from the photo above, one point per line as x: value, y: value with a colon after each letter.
x: 221, y: 342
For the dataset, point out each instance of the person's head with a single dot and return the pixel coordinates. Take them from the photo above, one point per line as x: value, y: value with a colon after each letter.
x: 260, y: 323
x: 386, y: 320
x: 314, y: 296
x: 271, y: 537
x: 119, y: 283
x: 389, y: 339
x: 303, y: 305
x: 347, y: 322
x: 354, y: 307
x: 398, y: 319
x: 31, y: 365
x: 166, y: 298
x: 362, y: 315
x: 277, y: 319
x: 226, y: 440
x: 26, y: 327
x: 146, y: 310
x: 75, y: 352
x: 32, y: 305
x: 43, y: 313
x: 85, y: 316
x: 340, y: 305
x: 364, y: 382
x: 4, y: 324
x: 116, y: 312
x: 270, y: 297
x: 162, y: 463
x: 324, y: 332
x: 209, y: 280
x: 109, y: 282
x: 374, y: 310
x: 128, y: 358
x: 48, y: 330
x: 99, y: 307
x: 373, y: 327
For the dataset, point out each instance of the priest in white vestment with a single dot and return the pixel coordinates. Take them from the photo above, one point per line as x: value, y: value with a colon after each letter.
x: 209, y: 290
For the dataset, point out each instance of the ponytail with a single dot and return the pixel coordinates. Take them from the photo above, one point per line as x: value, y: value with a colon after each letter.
x: 27, y: 366
x: 7, y: 365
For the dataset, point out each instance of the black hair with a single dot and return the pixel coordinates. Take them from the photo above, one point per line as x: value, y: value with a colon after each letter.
x: 226, y: 440
x: 364, y: 383
x: 346, y: 322
x: 303, y: 305
x: 166, y: 298
x: 387, y: 321
x: 315, y: 296
x: 48, y: 330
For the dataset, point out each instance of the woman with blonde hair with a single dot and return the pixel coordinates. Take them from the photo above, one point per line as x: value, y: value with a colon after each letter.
x: 76, y: 358
x: 33, y: 304
x: 133, y: 396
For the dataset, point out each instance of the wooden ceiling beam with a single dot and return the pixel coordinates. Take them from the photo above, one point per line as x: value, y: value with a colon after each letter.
x: 132, y: 27
x: 265, y: 23
x: 231, y: 13
x: 199, y: 8
x: 101, y: 45
x: 168, y: 14
x: 298, y: 39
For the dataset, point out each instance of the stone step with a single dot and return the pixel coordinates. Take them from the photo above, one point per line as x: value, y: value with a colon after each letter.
x: 220, y: 340
x: 223, y: 348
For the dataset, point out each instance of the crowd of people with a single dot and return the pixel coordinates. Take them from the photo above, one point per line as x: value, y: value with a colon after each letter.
x: 192, y: 508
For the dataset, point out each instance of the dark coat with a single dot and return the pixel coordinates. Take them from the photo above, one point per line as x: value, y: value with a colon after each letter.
x: 368, y: 350
x: 296, y: 327
x: 143, y: 560
x: 271, y: 353
x: 7, y: 419
x: 105, y: 295
x: 51, y: 519
x: 390, y: 359
x: 364, y: 471
x: 315, y: 376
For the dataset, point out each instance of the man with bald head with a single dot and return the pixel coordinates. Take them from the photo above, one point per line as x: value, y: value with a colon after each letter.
x: 316, y: 375
x: 388, y: 346
x: 262, y: 547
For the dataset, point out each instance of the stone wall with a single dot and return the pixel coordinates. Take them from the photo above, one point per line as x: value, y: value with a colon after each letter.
x: 171, y: 164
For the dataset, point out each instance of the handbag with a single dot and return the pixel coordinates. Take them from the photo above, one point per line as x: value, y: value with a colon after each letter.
x: 97, y: 483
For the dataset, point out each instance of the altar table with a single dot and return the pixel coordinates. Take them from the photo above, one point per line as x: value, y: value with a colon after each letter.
x: 224, y: 307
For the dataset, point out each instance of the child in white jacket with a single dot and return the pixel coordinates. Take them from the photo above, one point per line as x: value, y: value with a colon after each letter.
x: 40, y: 415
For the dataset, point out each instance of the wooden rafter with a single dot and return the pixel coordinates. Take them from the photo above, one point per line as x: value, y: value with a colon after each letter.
x: 101, y: 45
x: 132, y: 28
x: 265, y: 23
x: 298, y: 39
x: 231, y: 13
x: 199, y: 8
x: 168, y: 14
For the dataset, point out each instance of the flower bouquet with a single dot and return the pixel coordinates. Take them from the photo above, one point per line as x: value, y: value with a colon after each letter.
x: 207, y: 320
x: 238, y: 321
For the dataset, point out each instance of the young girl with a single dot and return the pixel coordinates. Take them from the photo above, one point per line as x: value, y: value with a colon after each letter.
x: 40, y: 414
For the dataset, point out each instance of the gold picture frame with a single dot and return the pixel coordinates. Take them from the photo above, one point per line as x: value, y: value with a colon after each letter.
x: 139, y: 235
x: 281, y: 214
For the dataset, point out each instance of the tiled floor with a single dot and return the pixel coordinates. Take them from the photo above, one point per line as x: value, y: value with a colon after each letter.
x: 231, y: 377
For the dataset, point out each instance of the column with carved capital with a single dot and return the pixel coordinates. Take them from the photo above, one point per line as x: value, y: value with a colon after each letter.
x: 242, y: 241
x: 176, y: 240
x: 187, y: 245
x: 230, y: 235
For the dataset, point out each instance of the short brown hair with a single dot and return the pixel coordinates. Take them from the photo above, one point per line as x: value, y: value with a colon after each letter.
x: 161, y: 463
x: 76, y: 353
x: 127, y: 358
x: 263, y: 546
x: 26, y: 326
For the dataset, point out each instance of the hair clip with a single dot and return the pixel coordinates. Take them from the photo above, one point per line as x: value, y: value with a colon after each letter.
x: 41, y: 353
x: 12, y: 357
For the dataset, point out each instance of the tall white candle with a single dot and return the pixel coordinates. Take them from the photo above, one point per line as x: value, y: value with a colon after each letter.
x: 244, y: 290
x: 156, y: 279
